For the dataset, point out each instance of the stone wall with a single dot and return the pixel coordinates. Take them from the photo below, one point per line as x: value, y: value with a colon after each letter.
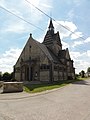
x: 12, y: 87
x: 17, y: 76
x: 60, y: 77
x: 44, y: 75
x: 1, y: 86
x: 55, y: 75
x: 65, y: 76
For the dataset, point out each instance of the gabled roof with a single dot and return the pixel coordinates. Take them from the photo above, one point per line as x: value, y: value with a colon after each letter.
x: 50, y: 55
x: 44, y: 49
x: 56, y: 37
x: 48, y: 38
x: 55, y: 58
x: 64, y: 54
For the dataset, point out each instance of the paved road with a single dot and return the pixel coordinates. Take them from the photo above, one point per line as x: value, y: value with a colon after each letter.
x: 71, y: 102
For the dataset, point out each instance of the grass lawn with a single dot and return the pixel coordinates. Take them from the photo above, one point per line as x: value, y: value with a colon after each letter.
x: 34, y: 88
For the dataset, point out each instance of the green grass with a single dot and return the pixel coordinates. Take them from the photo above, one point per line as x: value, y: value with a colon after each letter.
x: 34, y: 88
x: 41, y: 87
x: 80, y: 78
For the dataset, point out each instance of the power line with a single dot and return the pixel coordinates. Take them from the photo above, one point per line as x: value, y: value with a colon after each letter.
x: 21, y: 18
x: 38, y: 8
x: 54, y: 19
x: 35, y: 25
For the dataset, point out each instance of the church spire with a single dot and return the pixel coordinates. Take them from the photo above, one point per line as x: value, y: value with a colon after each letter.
x: 51, y: 24
x: 51, y: 27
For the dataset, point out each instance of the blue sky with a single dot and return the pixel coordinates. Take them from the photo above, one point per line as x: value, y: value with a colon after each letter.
x: 73, y: 14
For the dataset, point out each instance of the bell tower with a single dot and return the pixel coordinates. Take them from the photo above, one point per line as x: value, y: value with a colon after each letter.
x: 52, y: 40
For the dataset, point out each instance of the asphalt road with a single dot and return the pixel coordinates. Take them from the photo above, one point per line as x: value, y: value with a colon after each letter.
x: 71, y: 102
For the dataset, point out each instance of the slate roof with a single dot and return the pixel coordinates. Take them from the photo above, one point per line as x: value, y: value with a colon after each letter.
x: 56, y: 37
x: 62, y: 54
x: 51, y: 56
x: 45, y: 50
x: 48, y: 38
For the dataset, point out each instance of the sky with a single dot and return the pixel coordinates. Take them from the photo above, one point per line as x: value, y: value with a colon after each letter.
x: 14, y: 32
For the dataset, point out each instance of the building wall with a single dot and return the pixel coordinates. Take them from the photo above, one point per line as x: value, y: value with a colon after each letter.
x: 56, y: 75
x: 17, y: 76
x: 60, y: 76
x: 36, y: 55
x: 44, y: 75
x: 33, y: 52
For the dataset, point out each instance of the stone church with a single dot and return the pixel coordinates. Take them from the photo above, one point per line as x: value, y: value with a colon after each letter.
x: 46, y: 61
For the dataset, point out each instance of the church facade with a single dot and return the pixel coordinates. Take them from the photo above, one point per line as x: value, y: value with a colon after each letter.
x: 45, y: 61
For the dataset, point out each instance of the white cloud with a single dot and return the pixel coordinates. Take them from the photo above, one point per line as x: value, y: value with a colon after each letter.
x: 2, y: 3
x: 76, y: 35
x: 40, y: 39
x: 71, y: 14
x: 81, y: 60
x: 36, y: 15
x: 16, y: 27
x: 66, y: 28
x: 65, y: 45
x: 87, y: 40
x: 81, y: 65
x: 25, y: 11
x: 8, y: 59
x: 77, y: 43
x: 88, y: 53
x: 16, y: 12
x: 75, y: 55
x: 46, y: 6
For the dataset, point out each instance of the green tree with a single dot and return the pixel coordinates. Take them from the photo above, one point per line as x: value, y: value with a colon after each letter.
x: 0, y: 77
x: 88, y: 70
x: 82, y: 73
x: 6, y: 76
x: 79, y: 73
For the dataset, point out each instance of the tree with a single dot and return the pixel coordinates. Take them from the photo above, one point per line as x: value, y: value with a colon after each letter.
x: 82, y: 73
x: 88, y: 70
x: 79, y: 73
x: 0, y: 77
x: 6, y: 76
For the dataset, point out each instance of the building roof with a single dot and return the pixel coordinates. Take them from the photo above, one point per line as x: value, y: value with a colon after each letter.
x: 44, y: 49
x: 51, y: 38
x: 51, y: 56
x: 62, y: 54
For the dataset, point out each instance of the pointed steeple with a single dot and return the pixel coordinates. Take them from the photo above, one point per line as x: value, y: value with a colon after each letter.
x: 51, y: 27
x: 51, y: 24
x: 52, y: 40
